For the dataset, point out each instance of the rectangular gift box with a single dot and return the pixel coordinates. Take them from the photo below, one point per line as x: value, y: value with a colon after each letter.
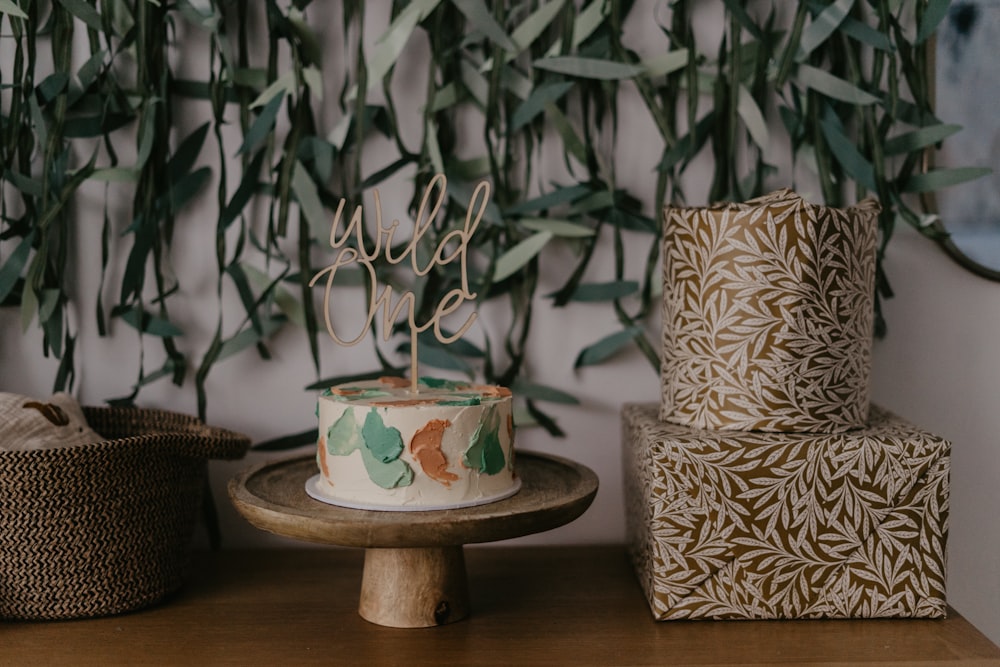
x: 752, y: 525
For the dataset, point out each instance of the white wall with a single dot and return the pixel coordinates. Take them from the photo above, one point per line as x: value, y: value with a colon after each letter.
x: 939, y: 367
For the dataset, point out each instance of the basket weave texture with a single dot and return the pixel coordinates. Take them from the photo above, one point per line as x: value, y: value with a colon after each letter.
x: 105, y: 528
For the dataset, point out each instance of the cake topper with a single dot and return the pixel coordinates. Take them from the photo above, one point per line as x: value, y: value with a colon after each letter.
x: 453, y: 245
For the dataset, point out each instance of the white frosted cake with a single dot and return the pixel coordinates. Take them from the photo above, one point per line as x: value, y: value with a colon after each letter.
x: 381, y: 446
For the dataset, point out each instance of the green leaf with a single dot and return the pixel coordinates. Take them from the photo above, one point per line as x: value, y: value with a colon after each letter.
x: 934, y: 13
x: 589, y: 68
x: 391, y: 43
x: 606, y: 347
x: 738, y: 11
x: 937, y: 179
x: 14, y: 266
x: 185, y: 189
x: 866, y: 34
x: 262, y: 126
x: 116, y: 175
x: 532, y: 27
x: 539, y: 392
x: 307, y: 196
x: 609, y: 291
x: 822, y: 26
x: 150, y: 324
x: 8, y: 7
x: 665, y: 63
x: 481, y: 18
x: 560, y: 195
x: 571, y: 141
x: 184, y: 157
x: 522, y: 253
x: 249, y: 336
x: 147, y: 132
x: 753, y: 118
x: 51, y: 86
x: 917, y: 139
x: 536, y: 102
x: 847, y: 155
x: 29, y: 186
x: 84, y: 11
x: 563, y: 228
x: 832, y: 86
x: 280, y: 87
x: 284, y: 299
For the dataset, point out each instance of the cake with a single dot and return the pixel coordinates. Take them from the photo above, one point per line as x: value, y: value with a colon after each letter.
x: 381, y: 446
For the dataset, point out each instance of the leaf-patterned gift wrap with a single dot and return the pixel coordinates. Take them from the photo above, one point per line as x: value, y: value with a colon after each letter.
x: 734, y: 525
x: 768, y: 314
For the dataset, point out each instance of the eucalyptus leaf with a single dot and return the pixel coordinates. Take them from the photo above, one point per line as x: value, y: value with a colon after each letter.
x: 14, y: 266
x: 149, y: 324
x: 84, y: 11
x: 534, y: 26
x: 934, y: 13
x: 667, y: 62
x: 249, y: 337
x: 481, y: 18
x: 307, y: 195
x: 390, y: 45
x: 563, y: 228
x: 559, y: 196
x: 10, y: 8
x: 589, y: 68
x: 847, y: 154
x: 283, y: 86
x: 917, y: 139
x: 541, y: 96
x: 822, y: 26
x: 514, y: 259
x: 832, y: 86
x: 606, y: 348
x: 262, y: 126
x: 937, y: 179
x: 753, y: 118
x: 571, y: 140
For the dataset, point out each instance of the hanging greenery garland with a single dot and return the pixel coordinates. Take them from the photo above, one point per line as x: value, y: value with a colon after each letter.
x: 845, y: 84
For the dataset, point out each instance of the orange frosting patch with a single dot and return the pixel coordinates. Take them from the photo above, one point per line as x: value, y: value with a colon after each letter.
x: 392, y: 381
x: 344, y: 392
x: 323, y: 465
x: 493, y: 390
x: 426, y: 449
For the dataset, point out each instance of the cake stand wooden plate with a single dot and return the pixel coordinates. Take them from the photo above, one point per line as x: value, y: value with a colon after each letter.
x: 414, y: 574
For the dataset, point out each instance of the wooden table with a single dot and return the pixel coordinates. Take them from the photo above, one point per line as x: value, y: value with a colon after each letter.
x: 531, y: 606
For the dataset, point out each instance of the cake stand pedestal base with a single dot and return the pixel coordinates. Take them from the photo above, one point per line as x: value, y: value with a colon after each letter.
x: 415, y: 587
x: 414, y: 574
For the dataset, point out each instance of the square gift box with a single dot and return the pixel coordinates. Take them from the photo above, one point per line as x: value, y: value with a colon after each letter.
x: 752, y: 525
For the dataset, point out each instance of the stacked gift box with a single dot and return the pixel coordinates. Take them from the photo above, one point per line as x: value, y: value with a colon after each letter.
x: 765, y: 484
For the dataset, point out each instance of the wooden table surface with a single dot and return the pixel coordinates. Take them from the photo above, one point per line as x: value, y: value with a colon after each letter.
x: 530, y: 606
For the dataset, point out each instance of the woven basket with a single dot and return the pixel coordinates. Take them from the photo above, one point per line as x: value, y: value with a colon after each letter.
x: 105, y: 528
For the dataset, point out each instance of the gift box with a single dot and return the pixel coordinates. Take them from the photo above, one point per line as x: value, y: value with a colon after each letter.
x: 752, y: 525
x: 767, y: 314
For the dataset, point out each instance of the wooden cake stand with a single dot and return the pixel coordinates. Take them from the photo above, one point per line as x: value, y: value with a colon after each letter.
x: 414, y: 574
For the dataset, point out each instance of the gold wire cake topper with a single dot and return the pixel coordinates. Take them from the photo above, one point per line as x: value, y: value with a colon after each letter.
x: 457, y: 238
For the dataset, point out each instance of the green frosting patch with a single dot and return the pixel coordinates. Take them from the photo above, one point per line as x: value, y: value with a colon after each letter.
x: 342, y: 436
x: 438, y: 383
x: 384, y: 442
x: 461, y: 401
x: 485, y: 453
x: 387, y: 475
x: 381, y: 450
